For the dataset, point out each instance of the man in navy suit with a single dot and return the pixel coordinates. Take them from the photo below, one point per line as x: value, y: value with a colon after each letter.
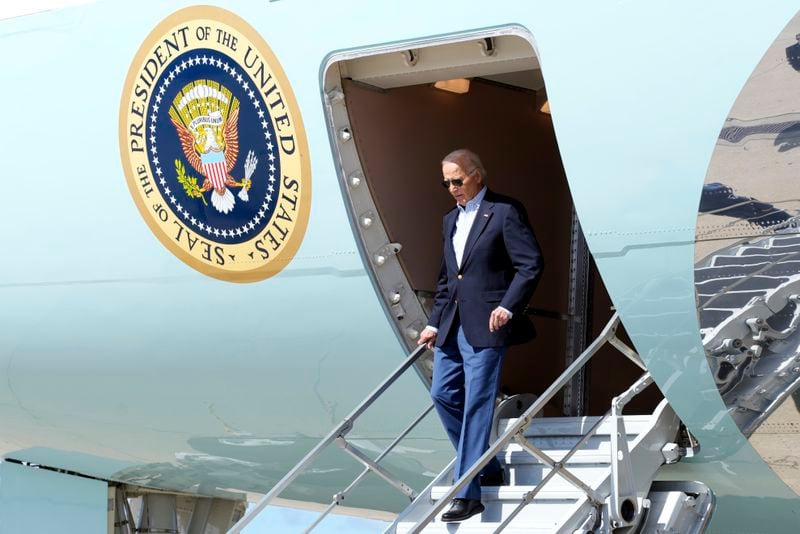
x: 490, y: 267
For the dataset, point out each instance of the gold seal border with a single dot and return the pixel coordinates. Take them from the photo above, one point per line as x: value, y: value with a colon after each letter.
x: 274, y: 264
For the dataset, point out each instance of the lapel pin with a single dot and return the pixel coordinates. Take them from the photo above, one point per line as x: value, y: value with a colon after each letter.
x: 486, y: 215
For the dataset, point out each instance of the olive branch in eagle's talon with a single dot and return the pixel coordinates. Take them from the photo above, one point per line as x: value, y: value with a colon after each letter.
x: 189, y: 183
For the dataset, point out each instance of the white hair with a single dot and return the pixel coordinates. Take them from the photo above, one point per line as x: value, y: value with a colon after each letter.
x: 468, y: 160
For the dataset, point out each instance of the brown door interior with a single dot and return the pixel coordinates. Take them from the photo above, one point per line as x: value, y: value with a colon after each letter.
x: 402, y: 134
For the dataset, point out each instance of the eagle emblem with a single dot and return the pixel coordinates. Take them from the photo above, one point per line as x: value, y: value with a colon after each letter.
x: 205, y: 115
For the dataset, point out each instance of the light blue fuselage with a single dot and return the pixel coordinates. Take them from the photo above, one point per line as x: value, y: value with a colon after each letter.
x: 112, y: 367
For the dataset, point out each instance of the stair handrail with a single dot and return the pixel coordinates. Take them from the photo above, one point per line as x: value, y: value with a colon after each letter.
x: 337, y: 436
x: 518, y: 428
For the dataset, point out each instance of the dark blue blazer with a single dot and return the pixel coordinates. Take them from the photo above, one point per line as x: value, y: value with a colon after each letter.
x: 501, y: 266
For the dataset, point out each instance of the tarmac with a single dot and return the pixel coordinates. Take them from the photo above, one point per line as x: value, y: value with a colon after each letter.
x: 777, y: 440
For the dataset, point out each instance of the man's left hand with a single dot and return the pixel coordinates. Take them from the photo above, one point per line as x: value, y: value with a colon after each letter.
x: 498, y: 319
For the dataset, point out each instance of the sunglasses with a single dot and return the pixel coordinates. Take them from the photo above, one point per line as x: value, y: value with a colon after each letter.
x: 458, y: 182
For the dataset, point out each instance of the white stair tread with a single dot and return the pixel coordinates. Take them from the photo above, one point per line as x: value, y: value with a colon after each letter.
x: 515, y: 455
x: 577, y: 426
x: 557, y: 489
x: 482, y: 527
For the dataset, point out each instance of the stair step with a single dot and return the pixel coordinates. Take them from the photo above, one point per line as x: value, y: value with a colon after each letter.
x: 532, y: 475
x: 514, y: 455
x: 565, y: 443
x: 752, y: 284
x: 483, y: 527
x: 784, y: 268
x: 749, y: 259
x: 730, y: 271
x: 548, y: 508
x: 710, y: 318
x: 777, y: 249
x: 524, y: 469
x: 556, y: 490
x: 576, y: 426
x: 733, y: 300
x: 788, y: 240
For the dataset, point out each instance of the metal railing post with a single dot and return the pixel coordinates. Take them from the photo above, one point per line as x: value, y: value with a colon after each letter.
x: 390, y: 479
x: 339, y: 497
x: 627, y: 352
x: 623, y: 486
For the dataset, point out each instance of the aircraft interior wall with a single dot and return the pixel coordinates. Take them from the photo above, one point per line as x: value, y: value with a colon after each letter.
x: 402, y: 134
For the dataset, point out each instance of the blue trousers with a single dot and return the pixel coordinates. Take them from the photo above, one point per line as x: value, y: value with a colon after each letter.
x: 465, y: 383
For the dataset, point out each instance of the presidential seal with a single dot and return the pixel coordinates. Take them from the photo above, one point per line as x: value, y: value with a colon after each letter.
x: 213, y: 146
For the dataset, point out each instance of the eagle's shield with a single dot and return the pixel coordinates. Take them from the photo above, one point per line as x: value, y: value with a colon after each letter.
x: 215, y: 169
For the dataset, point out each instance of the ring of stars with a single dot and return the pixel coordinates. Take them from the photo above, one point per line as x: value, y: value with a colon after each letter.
x: 236, y: 77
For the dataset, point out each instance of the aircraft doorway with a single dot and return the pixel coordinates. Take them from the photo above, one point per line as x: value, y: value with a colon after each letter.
x: 390, y: 127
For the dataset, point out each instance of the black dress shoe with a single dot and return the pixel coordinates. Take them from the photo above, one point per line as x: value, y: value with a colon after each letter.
x: 498, y: 478
x: 462, y: 509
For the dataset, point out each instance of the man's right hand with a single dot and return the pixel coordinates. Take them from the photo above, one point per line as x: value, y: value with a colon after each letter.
x: 427, y: 338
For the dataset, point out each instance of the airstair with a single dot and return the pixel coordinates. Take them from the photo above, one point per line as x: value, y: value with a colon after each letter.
x: 749, y: 301
x: 537, y: 499
x: 564, y: 474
